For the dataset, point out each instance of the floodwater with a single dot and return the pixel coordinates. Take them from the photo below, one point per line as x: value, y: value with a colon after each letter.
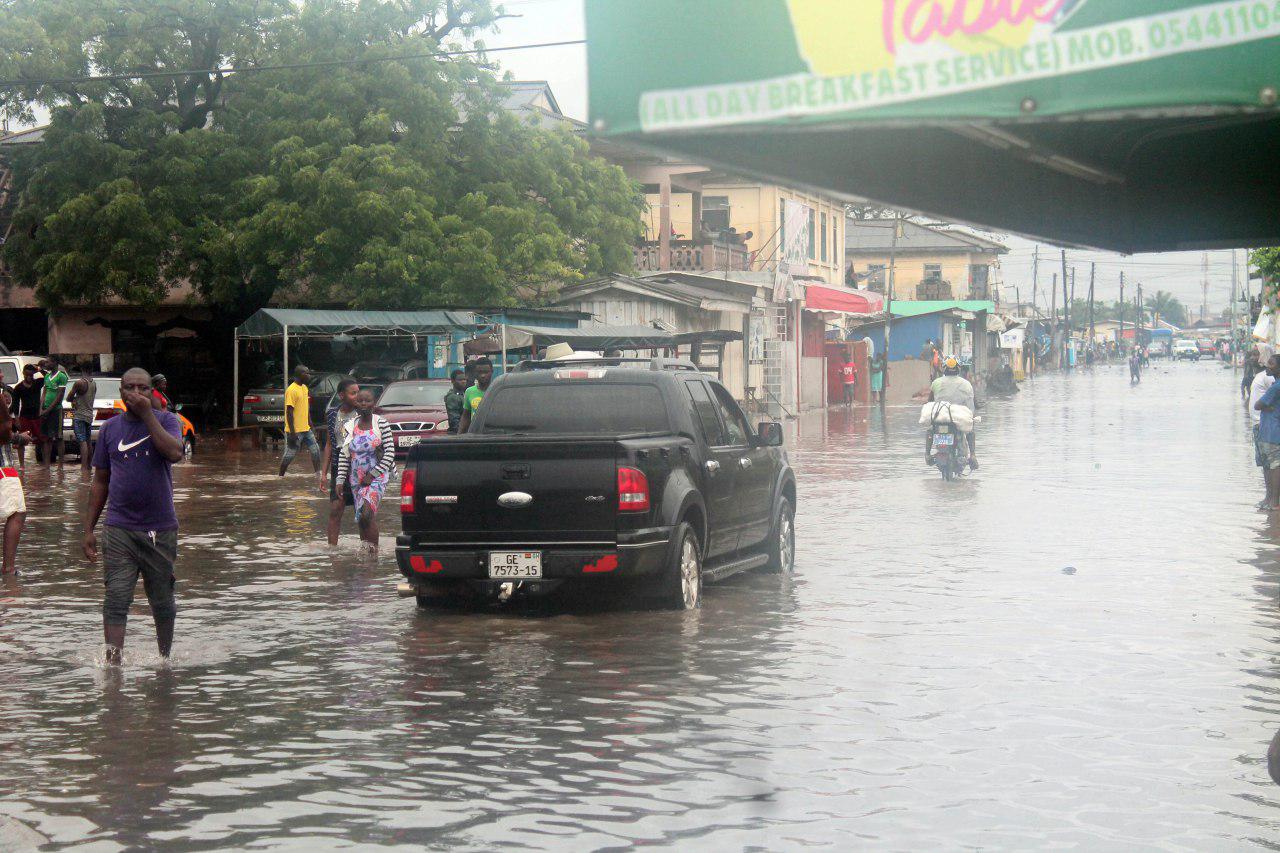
x: 1077, y: 647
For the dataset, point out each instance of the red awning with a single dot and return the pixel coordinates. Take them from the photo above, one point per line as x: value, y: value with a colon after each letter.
x: 844, y: 301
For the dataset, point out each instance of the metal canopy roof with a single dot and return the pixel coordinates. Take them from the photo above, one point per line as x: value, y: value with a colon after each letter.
x: 271, y: 322
x: 589, y: 336
x: 1130, y: 125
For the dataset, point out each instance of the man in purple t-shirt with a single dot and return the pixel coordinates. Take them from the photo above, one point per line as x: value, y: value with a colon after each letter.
x: 133, y: 479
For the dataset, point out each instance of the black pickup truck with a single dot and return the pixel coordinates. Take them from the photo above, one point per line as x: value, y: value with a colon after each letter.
x: 597, y: 471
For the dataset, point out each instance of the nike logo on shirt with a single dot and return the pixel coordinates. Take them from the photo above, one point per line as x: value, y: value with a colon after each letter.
x: 122, y: 447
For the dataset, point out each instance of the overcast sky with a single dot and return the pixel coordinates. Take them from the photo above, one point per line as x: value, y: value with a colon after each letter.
x: 565, y: 69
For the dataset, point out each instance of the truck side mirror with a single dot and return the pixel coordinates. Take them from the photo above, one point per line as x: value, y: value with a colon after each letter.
x: 769, y: 435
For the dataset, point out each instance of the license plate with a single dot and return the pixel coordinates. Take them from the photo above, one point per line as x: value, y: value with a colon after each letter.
x: 515, y: 565
x: 944, y: 440
x: 407, y: 440
x: 271, y: 419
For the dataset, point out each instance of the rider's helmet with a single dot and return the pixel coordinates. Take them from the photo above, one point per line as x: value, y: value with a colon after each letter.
x: 951, y: 366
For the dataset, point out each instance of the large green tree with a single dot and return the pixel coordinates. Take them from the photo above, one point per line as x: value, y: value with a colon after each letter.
x: 1168, y: 307
x: 355, y: 175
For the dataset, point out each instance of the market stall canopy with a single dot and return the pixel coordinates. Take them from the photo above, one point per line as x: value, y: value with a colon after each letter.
x: 271, y: 322
x: 818, y: 298
x: 1131, y: 125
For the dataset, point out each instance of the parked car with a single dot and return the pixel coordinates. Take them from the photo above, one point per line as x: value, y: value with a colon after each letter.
x: 1207, y: 349
x: 375, y: 387
x: 11, y: 367
x: 106, y: 405
x: 265, y: 406
x: 389, y: 371
x: 1186, y: 350
x: 415, y: 410
x: 586, y: 472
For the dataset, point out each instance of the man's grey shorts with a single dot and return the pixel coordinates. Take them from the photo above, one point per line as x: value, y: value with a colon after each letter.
x: 129, y: 553
x: 1270, y: 455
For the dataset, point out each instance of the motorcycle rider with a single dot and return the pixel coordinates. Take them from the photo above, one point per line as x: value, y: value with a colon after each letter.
x: 952, y: 388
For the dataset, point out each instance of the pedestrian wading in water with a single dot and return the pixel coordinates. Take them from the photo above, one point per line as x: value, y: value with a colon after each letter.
x: 133, y: 479
x: 366, y: 459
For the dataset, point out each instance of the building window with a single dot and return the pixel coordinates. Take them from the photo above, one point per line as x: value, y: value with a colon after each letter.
x: 932, y: 272
x: 813, y: 236
x: 824, y: 238
x: 875, y: 277
x: 715, y: 213
x: 837, y: 251
x: 979, y: 281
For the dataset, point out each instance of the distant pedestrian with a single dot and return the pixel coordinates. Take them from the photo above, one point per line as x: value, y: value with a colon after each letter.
x: 160, y: 392
x: 27, y: 396
x: 55, y: 389
x: 453, y: 398
x: 365, y: 463
x: 297, y: 421
x: 849, y: 376
x: 13, y: 502
x: 133, y: 479
x: 1135, y: 366
x: 878, y: 365
x: 336, y: 420
x: 81, y: 396
x: 475, y: 394
x: 1261, y: 382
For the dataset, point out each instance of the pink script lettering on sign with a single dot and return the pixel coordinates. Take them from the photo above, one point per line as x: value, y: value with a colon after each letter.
x: 918, y: 21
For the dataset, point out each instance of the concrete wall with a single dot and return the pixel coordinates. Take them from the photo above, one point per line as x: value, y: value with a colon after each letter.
x: 906, y: 379
x: 813, y: 382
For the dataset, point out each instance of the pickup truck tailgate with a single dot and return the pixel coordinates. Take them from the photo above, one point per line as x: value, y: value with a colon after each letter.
x: 572, y: 488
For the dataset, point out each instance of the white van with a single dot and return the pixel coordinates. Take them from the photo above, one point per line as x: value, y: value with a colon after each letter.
x: 11, y: 367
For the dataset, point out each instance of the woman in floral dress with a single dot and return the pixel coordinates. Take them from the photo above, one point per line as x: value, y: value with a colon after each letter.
x: 366, y: 461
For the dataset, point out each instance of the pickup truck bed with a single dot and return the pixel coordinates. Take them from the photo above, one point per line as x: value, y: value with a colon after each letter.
x: 523, y: 500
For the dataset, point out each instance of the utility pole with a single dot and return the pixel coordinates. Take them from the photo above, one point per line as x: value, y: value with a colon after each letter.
x: 888, y: 301
x: 1137, y: 333
x: 1071, y: 304
x: 1121, y: 344
x: 1053, y: 316
x: 1093, y: 331
x: 1235, y: 337
x: 1066, y: 314
x: 1204, y: 284
x: 1035, y: 279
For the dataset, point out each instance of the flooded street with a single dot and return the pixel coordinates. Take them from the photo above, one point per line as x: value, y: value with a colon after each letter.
x: 1079, y: 646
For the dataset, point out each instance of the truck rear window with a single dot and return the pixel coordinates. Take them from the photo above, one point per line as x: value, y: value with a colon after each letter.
x: 576, y: 408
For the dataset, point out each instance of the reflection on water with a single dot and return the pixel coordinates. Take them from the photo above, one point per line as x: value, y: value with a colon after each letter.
x: 935, y: 675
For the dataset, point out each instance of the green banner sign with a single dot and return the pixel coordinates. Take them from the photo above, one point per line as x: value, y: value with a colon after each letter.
x: 667, y: 66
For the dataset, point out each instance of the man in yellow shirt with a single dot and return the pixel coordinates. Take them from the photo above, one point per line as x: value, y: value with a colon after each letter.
x: 297, y: 420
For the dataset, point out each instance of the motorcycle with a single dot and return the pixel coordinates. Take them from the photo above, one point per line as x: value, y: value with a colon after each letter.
x: 947, y: 443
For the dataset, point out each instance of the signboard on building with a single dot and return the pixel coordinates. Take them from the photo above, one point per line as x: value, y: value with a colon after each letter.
x: 796, y: 219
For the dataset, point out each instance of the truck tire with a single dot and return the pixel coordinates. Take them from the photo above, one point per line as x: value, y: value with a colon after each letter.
x: 782, y: 541
x: 681, y: 583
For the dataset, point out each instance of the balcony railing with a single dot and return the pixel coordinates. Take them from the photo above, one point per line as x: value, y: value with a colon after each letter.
x: 691, y: 256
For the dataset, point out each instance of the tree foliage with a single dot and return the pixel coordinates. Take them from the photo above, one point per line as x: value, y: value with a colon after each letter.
x: 374, y: 183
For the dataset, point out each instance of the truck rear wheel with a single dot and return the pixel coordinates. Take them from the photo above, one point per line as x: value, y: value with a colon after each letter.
x: 782, y: 544
x: 681, y: 584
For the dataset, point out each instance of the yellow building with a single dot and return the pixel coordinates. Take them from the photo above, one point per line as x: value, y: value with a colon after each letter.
x: 755, y: 212
x: 928, y: 263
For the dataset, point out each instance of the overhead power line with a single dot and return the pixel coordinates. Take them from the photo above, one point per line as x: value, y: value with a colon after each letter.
x: 253, y: 69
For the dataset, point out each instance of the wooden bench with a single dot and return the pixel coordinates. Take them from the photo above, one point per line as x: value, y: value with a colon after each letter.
x: 235, y: 436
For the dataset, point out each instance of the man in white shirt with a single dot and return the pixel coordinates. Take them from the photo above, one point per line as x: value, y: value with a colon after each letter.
x: 1261, y: 383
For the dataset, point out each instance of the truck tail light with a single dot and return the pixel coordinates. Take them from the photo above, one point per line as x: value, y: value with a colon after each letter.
x: 407, y: 481
x: 251, y: 398
x: 633, y: 490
